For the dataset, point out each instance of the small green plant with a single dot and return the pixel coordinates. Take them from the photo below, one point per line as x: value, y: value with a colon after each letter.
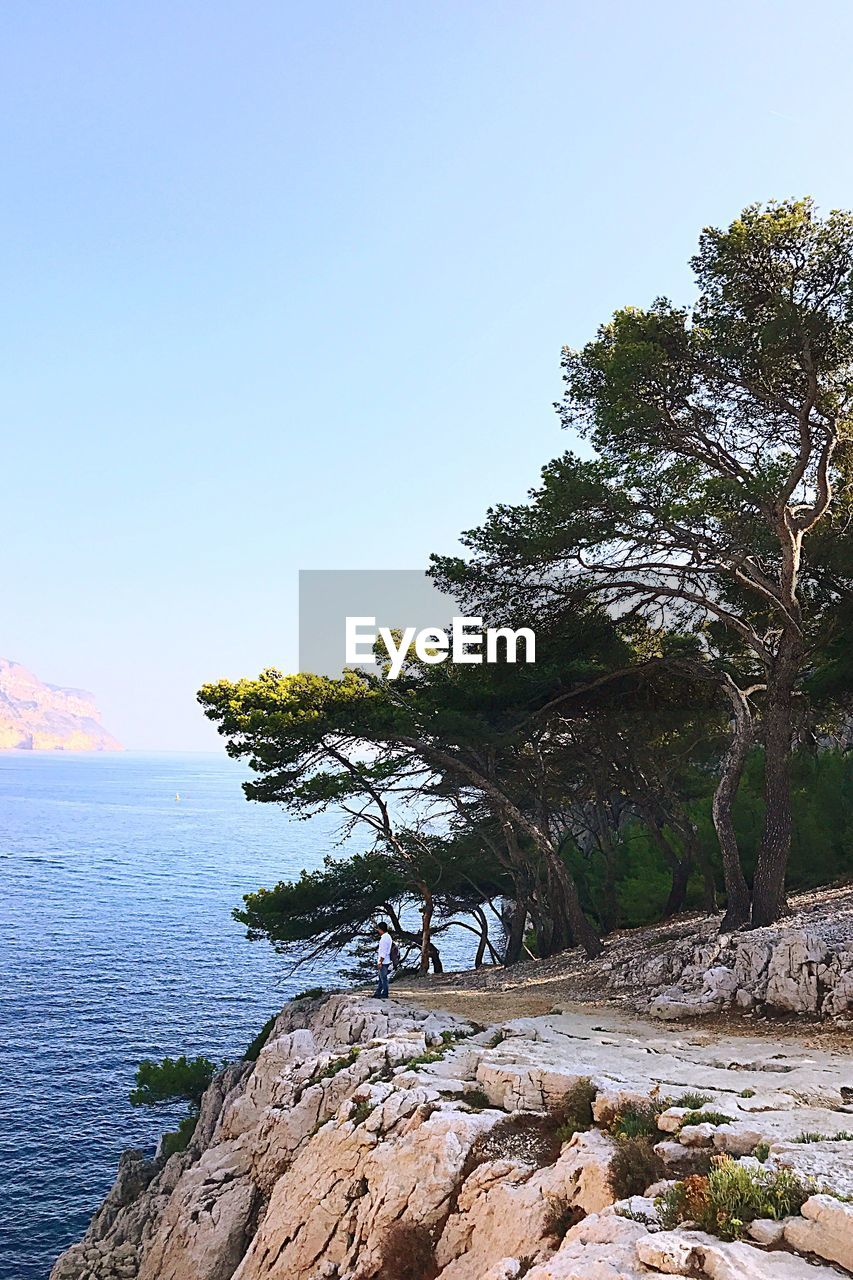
x: 424, y: 1059
x: 497, y: 1038
x: 693, y: 1101
x: 843, y: 1135
x: 310, y: 993
x: 251, y: 1054
x: 179, y: 1139
x: 761, y: 1151
x: 573, y: 1113
x: 477, y: 1100
x: 747, y: 1093
x: 644, y: 1218
x: 808, y: 1135
x: 705, y: 1117
x: 635, y: 1166
x: 561, y: 1215
x: 361, y: 1111
x: 637, y: 1120
x: 730, y: 1197
x: 339, y: 1064
x: 459, y: 1033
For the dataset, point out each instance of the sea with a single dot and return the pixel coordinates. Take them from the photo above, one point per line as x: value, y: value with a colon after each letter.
x: 118, y: 876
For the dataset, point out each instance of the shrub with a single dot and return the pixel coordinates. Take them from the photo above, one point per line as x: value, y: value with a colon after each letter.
x: 635, y: 1166
x: 477, y: 1100
x: 360, y: 1112
x: 573, y: 1113
x: 251, y: 1054
x: 179, y: 1139
x: 172, y: 1080
x: 561, y: 1215
x: 705, y: 1117
x: 310, y: 993
x: 408, y: 1253
x: 809, y: 1135
x: 747, y: 1093
x: 637, y: 1120
x: 761, y: 1151
x: 731, y: 1196
x: 843, y: 1135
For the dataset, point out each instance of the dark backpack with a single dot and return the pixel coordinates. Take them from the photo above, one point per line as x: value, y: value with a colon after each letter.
x: 395, y: 955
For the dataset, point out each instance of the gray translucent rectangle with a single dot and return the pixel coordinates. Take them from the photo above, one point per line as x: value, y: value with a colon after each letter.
x: 396, y: 598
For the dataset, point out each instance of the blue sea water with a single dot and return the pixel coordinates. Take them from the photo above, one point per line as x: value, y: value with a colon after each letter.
x: 116, y: 944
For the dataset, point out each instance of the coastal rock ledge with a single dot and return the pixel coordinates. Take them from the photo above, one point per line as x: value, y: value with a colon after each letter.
x: 375, y: 1139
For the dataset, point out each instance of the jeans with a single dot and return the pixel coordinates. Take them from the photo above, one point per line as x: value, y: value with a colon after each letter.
x: 381, y: 992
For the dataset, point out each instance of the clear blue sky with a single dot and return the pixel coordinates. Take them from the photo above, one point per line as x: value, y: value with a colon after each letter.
x: 286, y: 285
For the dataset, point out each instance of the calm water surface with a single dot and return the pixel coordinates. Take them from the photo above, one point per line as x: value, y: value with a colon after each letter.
x: 117, y: 943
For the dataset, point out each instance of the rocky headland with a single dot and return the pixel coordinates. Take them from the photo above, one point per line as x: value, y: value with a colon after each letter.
x: 35, y: 716
x: 386, y: 1139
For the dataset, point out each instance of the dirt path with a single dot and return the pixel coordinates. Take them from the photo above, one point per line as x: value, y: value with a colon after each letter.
x: 529, y: 997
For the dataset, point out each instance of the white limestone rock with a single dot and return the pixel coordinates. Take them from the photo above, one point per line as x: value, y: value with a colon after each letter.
x: 825, y: 1228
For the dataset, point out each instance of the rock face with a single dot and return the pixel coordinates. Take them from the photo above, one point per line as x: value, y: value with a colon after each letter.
x: 44, y: 717
x: 371, y: 1139
x: 803, y: 966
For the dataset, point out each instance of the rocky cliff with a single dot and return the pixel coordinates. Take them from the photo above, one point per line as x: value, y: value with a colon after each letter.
x: 44, y: 717
x: 378, y: 1140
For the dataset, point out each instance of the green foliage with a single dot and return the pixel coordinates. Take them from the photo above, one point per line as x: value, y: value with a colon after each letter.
x: 705, y: 1117
x: 425, y: 1058
x: 634, y: 1167
x: 731, y: 1196
x: 638, y: 1120
x: 761, y: 1151
x: 180, y: 1139
x: 477, y: 1100
x: 254, y: 1048
x: 310, y: 993
x: 361, y: 1111
x: 337, y: 1065
x: 172, y: 1080
x: 573, y: 1113
x: 694, y: 1100
x: 810, y: 1136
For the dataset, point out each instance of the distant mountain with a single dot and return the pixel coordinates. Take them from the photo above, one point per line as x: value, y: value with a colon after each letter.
x: 44, y: 717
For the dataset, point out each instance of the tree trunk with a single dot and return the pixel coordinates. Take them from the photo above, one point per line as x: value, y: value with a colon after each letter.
x: 569, y: 910
x: 515, y: 937
x: 678, y: 892
x: 483, y: 939
x: 437, y: 966
x: 768, y: 888
x: 426, y: 915
x: 737, y: 891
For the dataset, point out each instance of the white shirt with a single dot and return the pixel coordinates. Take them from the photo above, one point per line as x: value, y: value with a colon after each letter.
x: 384, y: 952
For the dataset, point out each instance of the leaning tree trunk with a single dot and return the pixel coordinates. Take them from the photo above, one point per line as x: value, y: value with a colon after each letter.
x: 566, y: 906
x: 737, y: 890
x: 768, y: 887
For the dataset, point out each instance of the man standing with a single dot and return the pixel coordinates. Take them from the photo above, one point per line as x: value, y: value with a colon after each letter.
x: 383, y: 961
